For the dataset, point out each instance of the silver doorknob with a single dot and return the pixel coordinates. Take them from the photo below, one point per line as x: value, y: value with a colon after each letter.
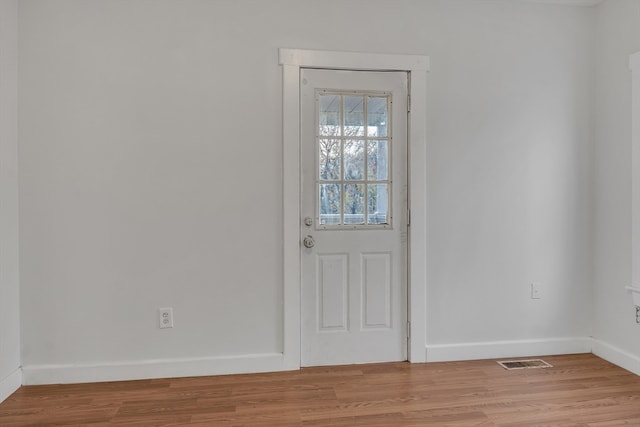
x: 308, y: 242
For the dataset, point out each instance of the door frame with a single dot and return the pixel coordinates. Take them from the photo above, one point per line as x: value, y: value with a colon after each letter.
x: 417, y: 66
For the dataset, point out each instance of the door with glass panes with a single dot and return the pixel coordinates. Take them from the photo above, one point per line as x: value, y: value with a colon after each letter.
x: 353, y: 146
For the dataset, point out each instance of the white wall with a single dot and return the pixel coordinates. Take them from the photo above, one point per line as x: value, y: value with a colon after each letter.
x: 10, y: 376
x: 618, y: 36
x: 150, y: 168
x: 509, y: 184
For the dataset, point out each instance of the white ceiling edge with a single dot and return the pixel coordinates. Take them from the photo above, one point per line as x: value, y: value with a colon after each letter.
x: 587, y: 3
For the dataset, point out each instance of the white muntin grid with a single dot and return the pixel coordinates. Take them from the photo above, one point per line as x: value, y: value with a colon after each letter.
x: 343, y: 135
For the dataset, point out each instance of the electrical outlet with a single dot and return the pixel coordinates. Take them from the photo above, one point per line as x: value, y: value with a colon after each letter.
x: 536, y: 292
x: 165, y: 316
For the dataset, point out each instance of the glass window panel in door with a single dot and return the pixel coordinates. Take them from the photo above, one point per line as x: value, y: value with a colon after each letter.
x: 354, y: 200
x: 377, y: 160
x: 378, y: 204
x: 330, y: 196
x: 329, y: 159
x: 353, y: 160
x: 329, y: 115
x: 353, y: 116
x: 377, y: 116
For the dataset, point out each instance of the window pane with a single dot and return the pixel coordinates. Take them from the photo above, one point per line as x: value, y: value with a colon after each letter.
x: 377, y: 166
x: 354, y: 203
x: 377, y: 116
x: 330, y: 196
x: 353, y: 116
x: 329, y: 159
x: 377, y: 204
x: 353, y: 160
x: 329, y: 115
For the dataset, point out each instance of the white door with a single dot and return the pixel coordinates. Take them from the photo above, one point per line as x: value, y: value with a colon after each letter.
x: 353, y: 216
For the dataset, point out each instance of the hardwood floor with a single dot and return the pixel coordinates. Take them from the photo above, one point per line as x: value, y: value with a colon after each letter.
x: 580, y: 390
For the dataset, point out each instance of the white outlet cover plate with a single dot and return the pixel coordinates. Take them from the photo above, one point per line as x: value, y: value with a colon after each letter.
x: 165, y: 317
x: 536, y: 292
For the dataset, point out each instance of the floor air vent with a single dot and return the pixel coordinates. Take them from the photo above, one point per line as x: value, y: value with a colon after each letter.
x: 524, y: 364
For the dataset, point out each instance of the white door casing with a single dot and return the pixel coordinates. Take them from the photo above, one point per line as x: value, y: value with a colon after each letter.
x: 292, y: 60
x: 354, y: 213
x: 634, y: 65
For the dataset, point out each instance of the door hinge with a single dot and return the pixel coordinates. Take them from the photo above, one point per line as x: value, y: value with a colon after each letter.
x: 408, y: 103
x: 408, y: 217
x: 408, y: 330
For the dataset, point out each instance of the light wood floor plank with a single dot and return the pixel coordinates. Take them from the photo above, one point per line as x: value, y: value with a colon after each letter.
x: 580, y: 390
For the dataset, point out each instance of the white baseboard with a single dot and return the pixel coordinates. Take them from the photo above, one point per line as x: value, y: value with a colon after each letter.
x: 10, y: 384
x: 616, y: 356
x: 147, y: 369
x: 171, y: 368
x: 501, y: 349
